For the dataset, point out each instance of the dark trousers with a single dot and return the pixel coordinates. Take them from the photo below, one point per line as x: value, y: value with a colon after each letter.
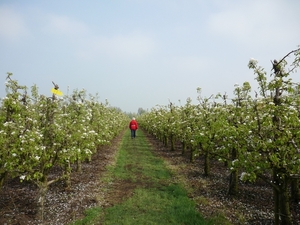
x: 133, y: 133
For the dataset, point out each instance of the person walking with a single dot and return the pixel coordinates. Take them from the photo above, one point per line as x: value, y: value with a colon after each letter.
x: 133, y: 126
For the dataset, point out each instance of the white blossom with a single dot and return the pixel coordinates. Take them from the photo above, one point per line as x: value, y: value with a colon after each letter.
x: 244, y: 175
x: 234, y: 161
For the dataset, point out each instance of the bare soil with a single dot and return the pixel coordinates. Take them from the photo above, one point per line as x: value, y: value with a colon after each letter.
x: 253, y: 205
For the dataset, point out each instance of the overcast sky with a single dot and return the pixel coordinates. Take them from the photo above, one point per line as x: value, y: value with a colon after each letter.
x: 143, y: 53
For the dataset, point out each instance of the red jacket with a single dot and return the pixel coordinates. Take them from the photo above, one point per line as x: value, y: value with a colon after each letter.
x: 133, y: 125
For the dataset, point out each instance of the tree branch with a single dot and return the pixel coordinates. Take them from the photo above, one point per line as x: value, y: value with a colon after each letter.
x: 288, y: 55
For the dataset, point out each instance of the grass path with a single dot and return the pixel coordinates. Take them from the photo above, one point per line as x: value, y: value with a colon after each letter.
x: 142, y: 190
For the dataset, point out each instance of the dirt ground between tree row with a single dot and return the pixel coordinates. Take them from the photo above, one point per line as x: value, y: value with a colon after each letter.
x: 253, y: 205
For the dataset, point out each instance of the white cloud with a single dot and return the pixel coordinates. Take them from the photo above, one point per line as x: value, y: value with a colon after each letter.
x: 89, y: 45
x: 188, y: 64
x: 66, y: 25
x: 12, y: 25
x: 130, y: 46
x: 257, y: 22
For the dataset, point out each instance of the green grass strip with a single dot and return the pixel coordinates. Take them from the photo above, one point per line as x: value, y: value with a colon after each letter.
x: 154, y: 199
x: 169, y: 205
x: 136, y: 162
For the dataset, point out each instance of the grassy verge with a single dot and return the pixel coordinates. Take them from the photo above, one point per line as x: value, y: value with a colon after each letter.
x: 152, y: 198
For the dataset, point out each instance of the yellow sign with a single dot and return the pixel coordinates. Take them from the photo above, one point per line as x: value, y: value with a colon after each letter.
x: 57, y: 92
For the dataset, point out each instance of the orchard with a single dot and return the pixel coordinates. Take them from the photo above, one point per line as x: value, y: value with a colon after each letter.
x: 39, y: 133
x: 257, y: 137
x: 254, y: 134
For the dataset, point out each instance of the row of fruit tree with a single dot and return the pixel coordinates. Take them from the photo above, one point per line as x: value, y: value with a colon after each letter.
x: 38, y: 133
x: 257, y: 135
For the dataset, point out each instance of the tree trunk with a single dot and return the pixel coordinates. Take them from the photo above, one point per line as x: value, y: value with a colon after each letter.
x: 2, y: 179
x: 206, y: 164
x: 276, y: 197
x: 183, y: 147
x: 172, y: 142
x: 41, y: 197
x: 285, y: 213
x: 193, y: 151
x: 233, y: 181
x: 295, y: 192
x: 281, y: 197
x: 79, y: 168
x: 166, y: 140
x: 68, y: 175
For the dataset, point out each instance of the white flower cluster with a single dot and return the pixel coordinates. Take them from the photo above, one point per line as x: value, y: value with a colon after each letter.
x: 252, y: 63
x: 244, y: 176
